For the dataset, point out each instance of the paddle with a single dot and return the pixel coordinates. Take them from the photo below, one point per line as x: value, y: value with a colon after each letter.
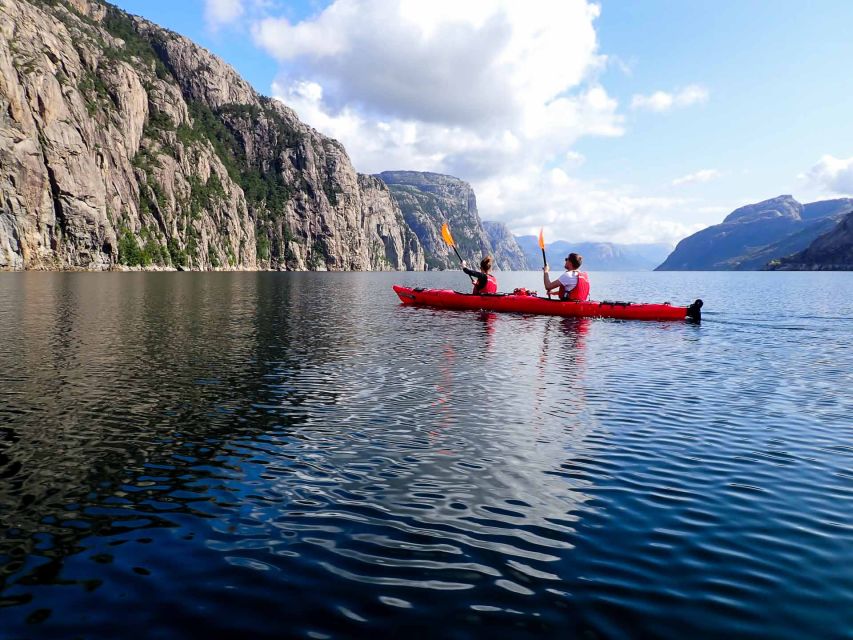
x: 445, y: 234
x: 542, y: 246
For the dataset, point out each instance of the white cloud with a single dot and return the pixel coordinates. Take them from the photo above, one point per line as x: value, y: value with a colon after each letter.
x: 509, y: 180
x: 571, y: 209
x: 494, y: 92
x: 574, y: 159
x: 704, y: 175
x: 714, y: 210
x: 832, y: 174
x: 661, y: 101
x: 377, y: 144
x: 219, y: 13
x: 472, y: 64
x: 469, y: 88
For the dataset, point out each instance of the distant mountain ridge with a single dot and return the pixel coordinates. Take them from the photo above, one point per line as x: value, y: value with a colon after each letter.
x: 753, y: 235
x: 597, y: 256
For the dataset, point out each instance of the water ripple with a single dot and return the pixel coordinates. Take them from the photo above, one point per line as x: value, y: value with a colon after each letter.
x: 298, y: 455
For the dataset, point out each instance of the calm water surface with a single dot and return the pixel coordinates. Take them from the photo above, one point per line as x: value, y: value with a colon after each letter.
x: 298, y: 455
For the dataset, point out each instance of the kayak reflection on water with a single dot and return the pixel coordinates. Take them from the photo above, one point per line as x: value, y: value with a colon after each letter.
x: 488, y: 319
x: 568, y: 348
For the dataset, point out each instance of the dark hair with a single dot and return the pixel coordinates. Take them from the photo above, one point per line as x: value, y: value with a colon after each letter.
x: 576, y: 259
x: 486, y: 264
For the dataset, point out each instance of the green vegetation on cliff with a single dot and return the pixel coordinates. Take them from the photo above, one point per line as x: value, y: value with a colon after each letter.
x: 153, y: 152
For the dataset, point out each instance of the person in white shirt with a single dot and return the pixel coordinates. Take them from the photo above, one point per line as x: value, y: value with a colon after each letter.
x: 567, y: 282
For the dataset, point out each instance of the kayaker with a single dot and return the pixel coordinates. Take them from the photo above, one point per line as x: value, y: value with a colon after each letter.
x: 573, y: 284
x: 485, y: 282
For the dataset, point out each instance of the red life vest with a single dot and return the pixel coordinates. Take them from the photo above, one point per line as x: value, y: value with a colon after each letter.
x: 581, y: 290
x: 491, y: 285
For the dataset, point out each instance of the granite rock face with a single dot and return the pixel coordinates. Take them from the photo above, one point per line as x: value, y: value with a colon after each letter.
x: 505, y: 247
x: 430, y: 199
x: 125, y: 145
x: 751, y: 236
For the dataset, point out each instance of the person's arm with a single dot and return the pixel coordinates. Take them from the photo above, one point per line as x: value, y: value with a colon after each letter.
x: 481, y: 277
x: 550, y: 285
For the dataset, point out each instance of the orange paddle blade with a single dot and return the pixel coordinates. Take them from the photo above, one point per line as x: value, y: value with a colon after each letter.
x: 445, y: 233
x: 542, y: 238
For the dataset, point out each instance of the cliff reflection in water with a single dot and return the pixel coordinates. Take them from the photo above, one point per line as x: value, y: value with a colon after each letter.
x: 257, y: 421
x: 104, y: 389
x: 299, y: 454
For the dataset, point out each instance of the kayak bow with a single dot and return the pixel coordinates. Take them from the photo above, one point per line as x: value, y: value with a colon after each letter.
x: 516, y: 303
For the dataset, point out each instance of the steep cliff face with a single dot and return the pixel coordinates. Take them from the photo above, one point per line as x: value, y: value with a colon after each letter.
x: 382, y: 219
x: 832, y: 251
x: 430, y: 199
x: 505, y: 248
x: 752, y: 235
x: 124, y: 144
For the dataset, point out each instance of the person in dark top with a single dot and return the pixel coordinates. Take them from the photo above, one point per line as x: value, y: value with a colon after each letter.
x: 485, y: 281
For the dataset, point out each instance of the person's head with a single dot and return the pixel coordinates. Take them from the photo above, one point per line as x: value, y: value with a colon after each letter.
x: 574, y: 260
x: 486, y: 264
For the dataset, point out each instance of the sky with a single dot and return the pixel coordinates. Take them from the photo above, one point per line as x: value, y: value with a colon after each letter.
x: 615, y: 121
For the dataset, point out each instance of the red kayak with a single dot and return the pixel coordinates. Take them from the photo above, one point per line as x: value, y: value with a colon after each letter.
x: 520, y: 302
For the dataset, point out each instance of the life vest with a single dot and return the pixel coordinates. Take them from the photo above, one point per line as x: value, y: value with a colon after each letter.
x: 491, y: 285
x: 581, y: 290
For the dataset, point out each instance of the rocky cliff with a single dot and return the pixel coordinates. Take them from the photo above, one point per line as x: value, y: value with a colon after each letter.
x: 832, y: 251
x: 122, y: 143
x: 752, y: 235
x: 428, y: 200
x: 505, y: 248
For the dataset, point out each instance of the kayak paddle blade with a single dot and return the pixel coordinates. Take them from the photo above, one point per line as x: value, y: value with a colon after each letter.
x: 445, y: 233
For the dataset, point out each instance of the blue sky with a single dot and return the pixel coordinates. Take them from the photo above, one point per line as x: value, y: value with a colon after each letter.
x: 621, y: 121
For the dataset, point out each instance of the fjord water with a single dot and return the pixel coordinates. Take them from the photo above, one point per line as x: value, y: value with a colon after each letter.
x: 296, y: 454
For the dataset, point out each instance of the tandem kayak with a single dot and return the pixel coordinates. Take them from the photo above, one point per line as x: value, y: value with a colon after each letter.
x: 533, y: 304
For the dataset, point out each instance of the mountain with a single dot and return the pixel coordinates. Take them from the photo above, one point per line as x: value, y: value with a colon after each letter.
x: 427, y: 200
x: 789, y: 244
x: 597, y: 256
x: 123, y: 143
x: 833, y: 251
x: 505, y: 248
x: 752, y: 235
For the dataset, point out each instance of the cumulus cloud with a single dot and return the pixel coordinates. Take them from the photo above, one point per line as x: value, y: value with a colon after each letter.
x: 219, y: 13
x: 571, y: 209
x: 376, y: 144
x: 832, y: 174
x: 661, y: 101
x: 704, y: 175
x: 477, y: 64
x: 494, y: 92
x: 471, y: 89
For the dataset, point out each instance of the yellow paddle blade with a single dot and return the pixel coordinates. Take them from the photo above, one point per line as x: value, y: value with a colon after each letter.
x: 542, y: 238
x: 445, y: 233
